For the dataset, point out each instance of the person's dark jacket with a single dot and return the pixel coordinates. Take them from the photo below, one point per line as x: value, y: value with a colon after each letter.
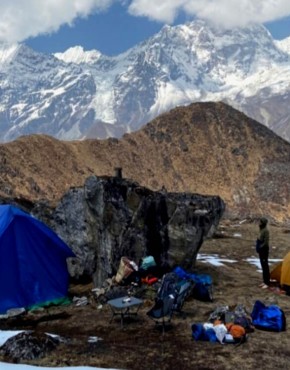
x: 264, y: 237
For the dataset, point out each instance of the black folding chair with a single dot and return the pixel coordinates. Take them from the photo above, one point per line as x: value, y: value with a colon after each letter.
x: 170, y: 299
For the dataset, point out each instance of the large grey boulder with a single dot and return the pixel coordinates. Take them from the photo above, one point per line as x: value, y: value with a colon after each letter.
x: 111, y: 217
x: 28, y: 345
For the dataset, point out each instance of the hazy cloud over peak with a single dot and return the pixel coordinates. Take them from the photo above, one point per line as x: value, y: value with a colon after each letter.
x: 220, y: 12
x: 21, y: 19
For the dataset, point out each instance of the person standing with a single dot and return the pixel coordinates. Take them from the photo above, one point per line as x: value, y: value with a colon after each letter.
x: 263, y: 251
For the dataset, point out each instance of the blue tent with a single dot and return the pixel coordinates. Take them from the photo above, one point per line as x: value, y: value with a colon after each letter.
x: 33, y: 267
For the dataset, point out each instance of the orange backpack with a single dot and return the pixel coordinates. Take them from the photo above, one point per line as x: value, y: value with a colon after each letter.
x: 237, y: 332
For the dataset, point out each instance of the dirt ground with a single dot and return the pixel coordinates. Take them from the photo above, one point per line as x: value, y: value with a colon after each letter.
x: 140, y: 345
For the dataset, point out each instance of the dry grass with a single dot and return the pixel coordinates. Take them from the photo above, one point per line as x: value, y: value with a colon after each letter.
x: 205, y: 148
x: 139, y: 345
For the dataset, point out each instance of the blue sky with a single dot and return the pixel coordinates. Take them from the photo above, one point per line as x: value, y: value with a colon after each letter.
x: 110, y: 32
x: 113, y: 26
x: 115, y: 31
x: 279, y: 29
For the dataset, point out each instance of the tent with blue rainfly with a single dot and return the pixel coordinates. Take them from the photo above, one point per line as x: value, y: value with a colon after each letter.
x: 33, y: 268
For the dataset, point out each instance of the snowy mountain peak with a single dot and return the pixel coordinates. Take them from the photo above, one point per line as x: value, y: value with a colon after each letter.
x: 8, y: 52
x: 284, y: 45
x: 78, y: 55
x: 78, y: 93
x: 254, y: 39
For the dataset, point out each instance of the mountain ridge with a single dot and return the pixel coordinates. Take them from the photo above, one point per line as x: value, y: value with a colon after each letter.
x: 106, y: 96
x: 213, y: 150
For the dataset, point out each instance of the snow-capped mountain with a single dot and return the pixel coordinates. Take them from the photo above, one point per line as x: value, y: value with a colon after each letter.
x: 78, y: 94
x: 284, y: 44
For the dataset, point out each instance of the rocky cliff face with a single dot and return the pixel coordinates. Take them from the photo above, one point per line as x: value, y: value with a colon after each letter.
x: 111, y: 217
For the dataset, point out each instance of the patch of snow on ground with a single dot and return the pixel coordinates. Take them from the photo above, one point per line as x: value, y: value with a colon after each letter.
x: 213, y: 259
x: 256, y: 262
x: 6, y: 366
x: 216, y: 260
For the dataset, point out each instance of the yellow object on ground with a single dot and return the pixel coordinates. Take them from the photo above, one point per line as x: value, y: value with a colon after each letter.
x: 281, y: 271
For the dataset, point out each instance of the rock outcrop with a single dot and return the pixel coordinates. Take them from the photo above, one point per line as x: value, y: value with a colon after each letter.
x: 28, y: 345
x: 111, y: 217
x: 204, y: 148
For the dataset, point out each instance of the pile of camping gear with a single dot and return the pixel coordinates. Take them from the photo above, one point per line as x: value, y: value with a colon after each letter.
x: 132, y: 279
x: 233, y: 325
x: 167, y: 288
x: 170, y: 289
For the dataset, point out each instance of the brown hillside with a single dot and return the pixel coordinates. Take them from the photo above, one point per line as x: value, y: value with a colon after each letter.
x: 207, y: 148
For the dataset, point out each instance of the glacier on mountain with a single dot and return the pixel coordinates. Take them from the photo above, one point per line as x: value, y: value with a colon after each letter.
x: 79, y: 94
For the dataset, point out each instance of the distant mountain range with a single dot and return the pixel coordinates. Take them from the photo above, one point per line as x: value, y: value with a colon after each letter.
x: 214, y: 149
x: 83, y: 94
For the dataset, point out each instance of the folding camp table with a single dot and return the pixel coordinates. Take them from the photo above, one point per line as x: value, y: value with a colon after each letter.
x: 124, y: 307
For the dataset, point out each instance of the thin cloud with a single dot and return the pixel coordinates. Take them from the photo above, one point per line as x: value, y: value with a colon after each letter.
x: 233, y: 13
x: 21, y: 19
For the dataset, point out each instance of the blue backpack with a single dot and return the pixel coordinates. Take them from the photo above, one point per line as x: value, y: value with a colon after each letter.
x: 203, y: 287
x: 270, y: 318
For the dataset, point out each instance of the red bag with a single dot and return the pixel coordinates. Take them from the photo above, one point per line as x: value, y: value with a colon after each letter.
x: 149, y: 280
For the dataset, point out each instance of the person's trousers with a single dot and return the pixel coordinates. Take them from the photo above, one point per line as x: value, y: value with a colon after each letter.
x: 264, y: 255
